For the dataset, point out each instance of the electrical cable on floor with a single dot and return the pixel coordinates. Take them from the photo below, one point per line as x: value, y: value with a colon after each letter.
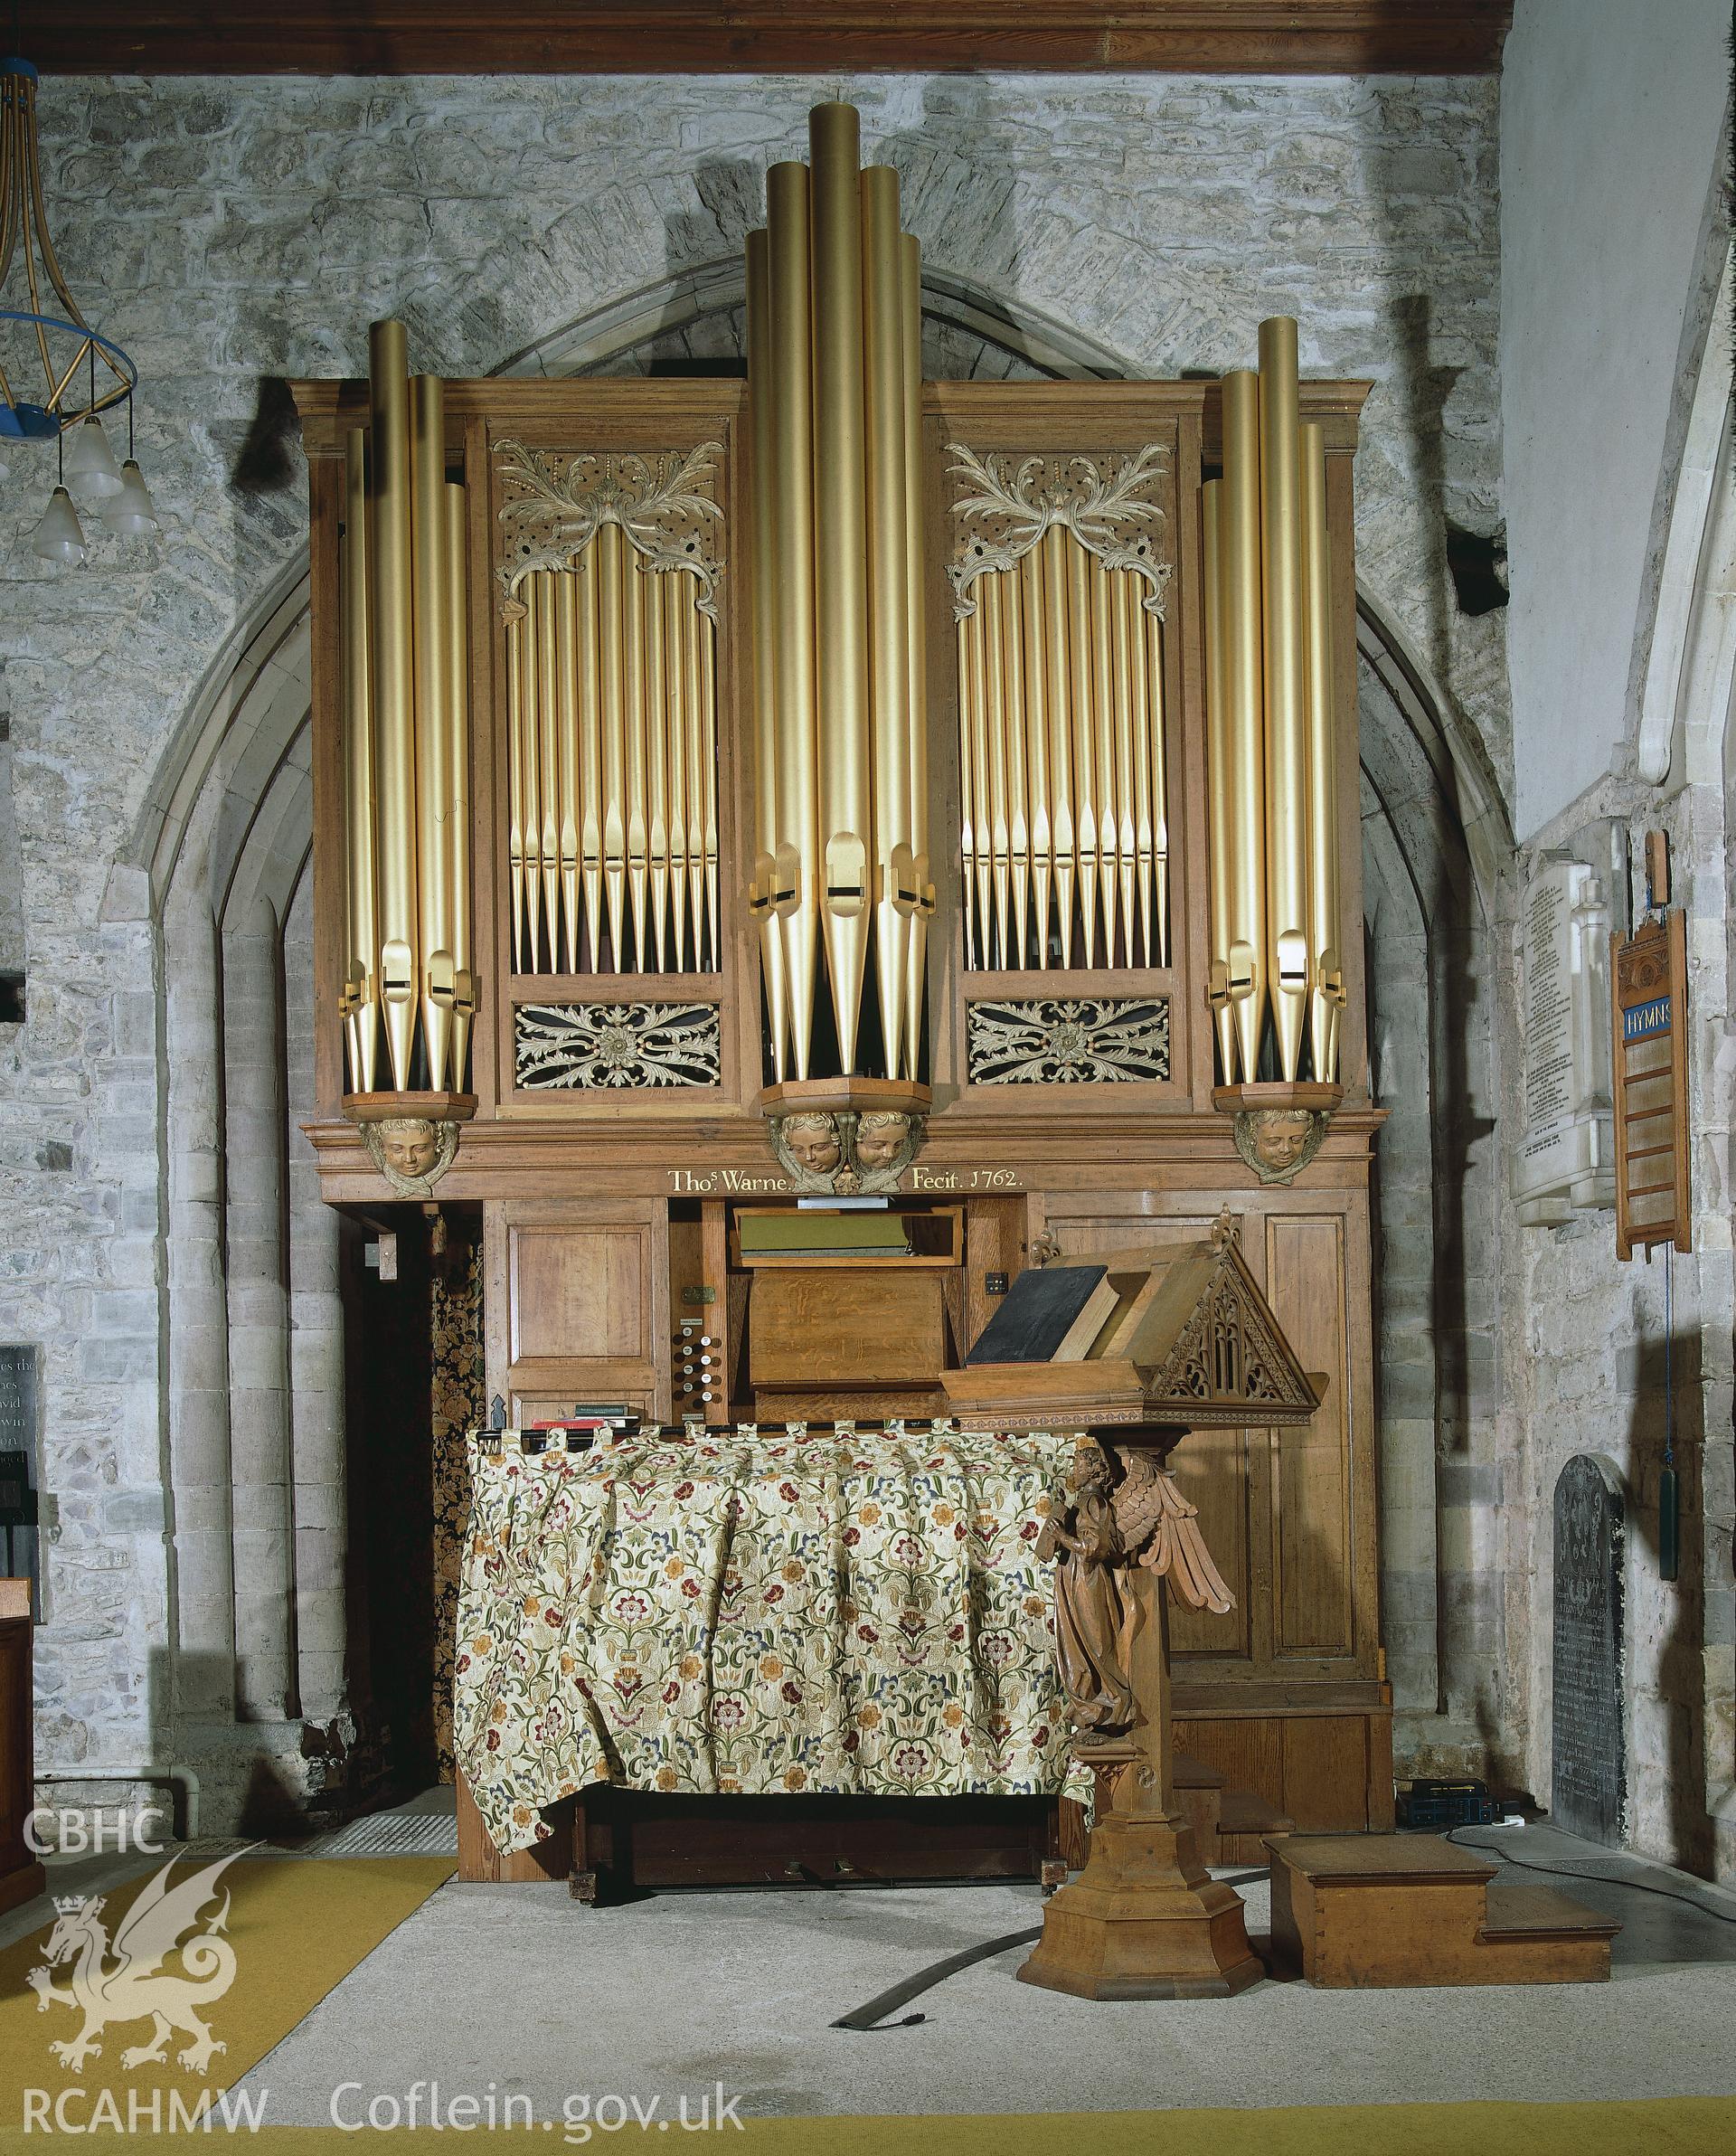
x: 870, y: 2018
x: 1596, y: 1878
x: 866, y: 2017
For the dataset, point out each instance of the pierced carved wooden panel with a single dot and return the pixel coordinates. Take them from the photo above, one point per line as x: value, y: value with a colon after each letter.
x: 597, y: 1047
x: 1097, y: 1040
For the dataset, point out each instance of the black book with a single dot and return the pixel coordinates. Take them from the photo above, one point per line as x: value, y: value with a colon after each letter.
x: 1036, y: 1314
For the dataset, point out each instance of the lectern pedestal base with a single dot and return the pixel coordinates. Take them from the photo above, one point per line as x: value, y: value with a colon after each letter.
x: 1144, y: 1920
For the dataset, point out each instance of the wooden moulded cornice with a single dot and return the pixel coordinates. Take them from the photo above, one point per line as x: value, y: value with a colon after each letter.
x: 644, y: 1153
x: 328, y: 407
x: 691, y: 37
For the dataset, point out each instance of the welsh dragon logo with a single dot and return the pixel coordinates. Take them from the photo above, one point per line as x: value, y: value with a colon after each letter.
x: 135, y: 1988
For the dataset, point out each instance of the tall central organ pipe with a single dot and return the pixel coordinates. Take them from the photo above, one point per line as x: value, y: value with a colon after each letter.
x: 404, y: 668
x: 841, y: 856
x: 1272, y: 731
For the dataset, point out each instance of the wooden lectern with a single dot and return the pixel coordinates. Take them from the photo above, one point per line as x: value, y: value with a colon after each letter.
x: 1133, y: 1355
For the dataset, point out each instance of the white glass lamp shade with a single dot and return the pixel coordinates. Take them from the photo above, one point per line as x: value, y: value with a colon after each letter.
x: 90, y: 461
x: 58, y: 536
x: 131, y: 511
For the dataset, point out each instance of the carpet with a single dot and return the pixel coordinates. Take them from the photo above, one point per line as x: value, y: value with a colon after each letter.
x: 214, y: 1951
x: 1663, y: 2126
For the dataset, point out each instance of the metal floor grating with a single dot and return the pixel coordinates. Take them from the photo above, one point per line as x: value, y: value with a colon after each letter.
x: 393, y: 1834
x: 387, y: 1834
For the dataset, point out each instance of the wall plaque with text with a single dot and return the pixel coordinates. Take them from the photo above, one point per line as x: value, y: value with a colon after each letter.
x: 1651, y: 1061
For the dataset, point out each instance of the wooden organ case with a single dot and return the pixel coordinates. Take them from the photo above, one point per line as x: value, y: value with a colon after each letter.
x: 1092, y: 1058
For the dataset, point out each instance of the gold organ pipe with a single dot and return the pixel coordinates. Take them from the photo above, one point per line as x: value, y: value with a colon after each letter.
x: 840, y: 582
x: 1325, y: 964
x: 1151, y: 774
x: 1286, y: 746
x: 994, y: 728
x: 457, y: 661
x: 889, y: 676
x: 976, y: 702
x: 703, y: 752
x: 515, y: 792
x: 566, y: 681
x: 1057, y: 698
x: 612, y: 710
x: 389, y: 645
x: 1032, y: 618
x: 656, y: 761
x: 798, y: 894
x: 431, y: 673
x: 530, y: 681
x: 682, y: 817
x: 765, y: 687
x: 588, y: 661
x: 1218, y: 757
x: 1132, y: 868
x: 1081, y: 684
x: 1103, y: 719
x: 916, y: 645
x: 1244, y: 777
x: 968, y: 802
x: 633, y: 681
x: 550, y: 749
x: 361, y: 990
x: 1018, y: 841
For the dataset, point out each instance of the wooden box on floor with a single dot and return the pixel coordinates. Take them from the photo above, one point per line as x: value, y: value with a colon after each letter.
x: 1354, y: 1912
x: 21, y: 1874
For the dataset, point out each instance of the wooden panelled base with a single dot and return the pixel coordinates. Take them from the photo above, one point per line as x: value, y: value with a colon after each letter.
x: 1379, y: 1911
x: 1144, y: 1920
x: 478, y: 1858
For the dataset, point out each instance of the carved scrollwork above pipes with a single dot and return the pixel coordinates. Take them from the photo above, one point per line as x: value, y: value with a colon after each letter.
x: 558, y: 502
x: 1010, y: 501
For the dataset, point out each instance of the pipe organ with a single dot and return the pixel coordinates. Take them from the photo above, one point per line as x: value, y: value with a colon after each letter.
x: 734, y: 799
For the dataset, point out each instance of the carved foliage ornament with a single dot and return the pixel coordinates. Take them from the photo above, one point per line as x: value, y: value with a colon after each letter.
x: 846, y: 1154
x: 1097, y: 1040
x: 1008, y: 502
x: 597, y: 1047
x: 557, y: 502
x: 411, y: 1152
x: 1278, y: 1143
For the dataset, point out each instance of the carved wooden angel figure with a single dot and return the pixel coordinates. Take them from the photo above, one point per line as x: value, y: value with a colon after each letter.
x: 1139, y: 1516
x: 1090, y: 1606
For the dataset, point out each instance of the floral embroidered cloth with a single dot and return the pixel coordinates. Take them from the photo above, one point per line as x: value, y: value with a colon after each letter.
x: 862, y: 1613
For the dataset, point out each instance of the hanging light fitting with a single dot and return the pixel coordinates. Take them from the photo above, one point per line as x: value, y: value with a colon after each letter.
x: 73, y: 394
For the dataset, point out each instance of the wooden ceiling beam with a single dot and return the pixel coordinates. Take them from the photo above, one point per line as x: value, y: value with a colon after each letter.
x: 806, y: 37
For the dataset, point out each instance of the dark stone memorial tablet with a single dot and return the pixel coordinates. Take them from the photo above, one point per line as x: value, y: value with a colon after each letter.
x: 1590, y: 1785
x: 1040, y: 1307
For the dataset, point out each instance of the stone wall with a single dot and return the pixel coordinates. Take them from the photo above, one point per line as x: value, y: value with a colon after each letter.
x: 232, y: 234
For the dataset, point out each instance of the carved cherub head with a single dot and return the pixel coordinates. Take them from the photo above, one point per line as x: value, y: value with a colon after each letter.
x: 411, y: 1151
x: 814, y: 1141
x: 1278, y: 1143
x: 880, y: 1138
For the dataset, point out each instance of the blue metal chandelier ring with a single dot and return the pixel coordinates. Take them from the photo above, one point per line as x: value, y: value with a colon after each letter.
x: 37, y: 422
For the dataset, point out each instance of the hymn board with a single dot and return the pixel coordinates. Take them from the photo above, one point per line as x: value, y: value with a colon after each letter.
x: 842, y: 786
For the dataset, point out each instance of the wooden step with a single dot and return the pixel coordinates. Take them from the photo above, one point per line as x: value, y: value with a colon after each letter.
x: 1355, y: 1911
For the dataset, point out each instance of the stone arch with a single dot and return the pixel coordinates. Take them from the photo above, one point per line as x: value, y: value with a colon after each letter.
x: 253, y: 1408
